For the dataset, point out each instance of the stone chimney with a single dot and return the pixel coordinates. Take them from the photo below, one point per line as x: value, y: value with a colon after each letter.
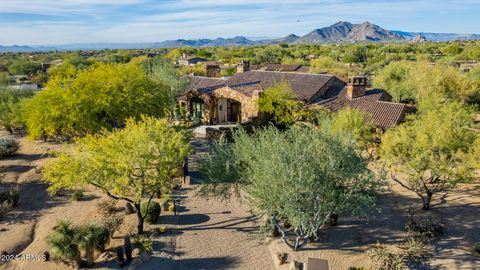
x: 243, y: 66
x: 212, y: 70
x: 357, y: 85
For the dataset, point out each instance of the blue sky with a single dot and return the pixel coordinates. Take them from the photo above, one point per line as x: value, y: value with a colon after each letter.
x: 35, y: 22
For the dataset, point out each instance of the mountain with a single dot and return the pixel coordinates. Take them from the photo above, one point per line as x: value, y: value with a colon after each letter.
x: 16, y: 48
x: 438, y: 37
x: 236, y: 41
x: 288, y: 39
x: 348, y: 32
x: 341, y: 32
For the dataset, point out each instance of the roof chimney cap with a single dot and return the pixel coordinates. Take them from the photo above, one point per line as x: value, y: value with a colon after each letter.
x: 358, y: 80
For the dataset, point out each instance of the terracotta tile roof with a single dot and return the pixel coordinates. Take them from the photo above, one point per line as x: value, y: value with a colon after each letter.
x: 205, y: 84
x: 247, y: 88
x: 303, y: 85
x: 286, y: 68
x: 375, y: 103
x: 189, y: 58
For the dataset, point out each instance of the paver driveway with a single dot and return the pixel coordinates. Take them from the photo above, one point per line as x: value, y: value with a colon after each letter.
x: 211, y: 234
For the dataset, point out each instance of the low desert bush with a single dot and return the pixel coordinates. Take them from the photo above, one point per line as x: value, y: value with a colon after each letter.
x: 386, y: 259
x: 144, y: 244
x: 476, y: 249
x: 8, y: 147
x: 357, y: 268
x: 77, y: 195
x: 113, y: 222
x: 106, y: 207
x: 5, y: 207
x: 415, y: 248
x: 423, y: 228
x: 152, y: 213
x: 11, y: 196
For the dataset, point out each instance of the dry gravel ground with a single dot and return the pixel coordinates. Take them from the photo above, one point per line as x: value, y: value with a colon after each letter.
x: 218, y: 235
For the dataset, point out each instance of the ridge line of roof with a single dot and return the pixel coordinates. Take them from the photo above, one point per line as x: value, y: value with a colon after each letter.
x: 292, y: 72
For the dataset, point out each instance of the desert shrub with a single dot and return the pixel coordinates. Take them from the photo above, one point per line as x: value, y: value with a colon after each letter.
x: 5, y: 207
x: 106, y: 207
x: 144, y: 244
x: 104, y: 238
x: 171, y: 208
x: 11, y: 196
x: 8, y: 147
x: 423, y: 228
x: 77, y: 195
x: 476, y: 249
x: 415, y: 248
x: 357, y: 268
x: 113, y: 222
x: 152, y: 213
x: 385, y: 259
x: 62, y: 243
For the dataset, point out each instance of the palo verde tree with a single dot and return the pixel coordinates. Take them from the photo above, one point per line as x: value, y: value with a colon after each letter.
x: 279, y: 106
x: 102, y: 96
x: 164, y: 72
x: 301, y: 176
x: 130, y: 164
x: 433, y: 150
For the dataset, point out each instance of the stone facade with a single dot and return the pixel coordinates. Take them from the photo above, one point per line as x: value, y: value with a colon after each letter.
x: 249, y: 104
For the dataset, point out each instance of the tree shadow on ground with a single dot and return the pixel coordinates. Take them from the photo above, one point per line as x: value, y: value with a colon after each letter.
x: 34, y: 198
x: 214, y: 263
x: 16, y: 168
x: 355, y: 233
x: 230, y: 224
x: 28, y: 157
x: 187, y: 219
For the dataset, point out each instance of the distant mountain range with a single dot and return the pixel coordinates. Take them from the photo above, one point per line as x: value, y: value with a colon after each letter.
x: 341, y: 32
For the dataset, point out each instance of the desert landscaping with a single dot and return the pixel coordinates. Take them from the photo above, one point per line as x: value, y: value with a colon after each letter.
x: 220, y: 235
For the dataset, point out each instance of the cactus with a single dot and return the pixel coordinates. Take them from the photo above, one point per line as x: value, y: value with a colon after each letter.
x: 120, y: 256
x: 128, y: 247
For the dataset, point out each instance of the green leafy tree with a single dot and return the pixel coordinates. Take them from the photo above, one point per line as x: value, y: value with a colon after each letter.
x: 354, y: 123
x: 10, y: 108
x: 301, y: 176
x: 24, y: 67
x: 441, y: 84
x: 397, y: 79
x: 433, y: 150
x: 163, y: 71
x: 329, y: 65
x: 103, y: 96
x: 278, y: 105
x: 130, y: 164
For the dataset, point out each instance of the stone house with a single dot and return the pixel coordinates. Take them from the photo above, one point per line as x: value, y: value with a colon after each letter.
x: 234, y: 99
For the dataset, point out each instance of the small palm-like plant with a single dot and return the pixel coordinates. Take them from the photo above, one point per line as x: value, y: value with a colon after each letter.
x: 89, y: 237
x: 63, y: 243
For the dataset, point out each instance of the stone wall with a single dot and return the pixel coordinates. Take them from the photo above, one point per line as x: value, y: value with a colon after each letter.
x: 249, y: 104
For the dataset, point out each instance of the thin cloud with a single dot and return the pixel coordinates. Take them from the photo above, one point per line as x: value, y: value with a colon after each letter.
x: 61, y: 21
